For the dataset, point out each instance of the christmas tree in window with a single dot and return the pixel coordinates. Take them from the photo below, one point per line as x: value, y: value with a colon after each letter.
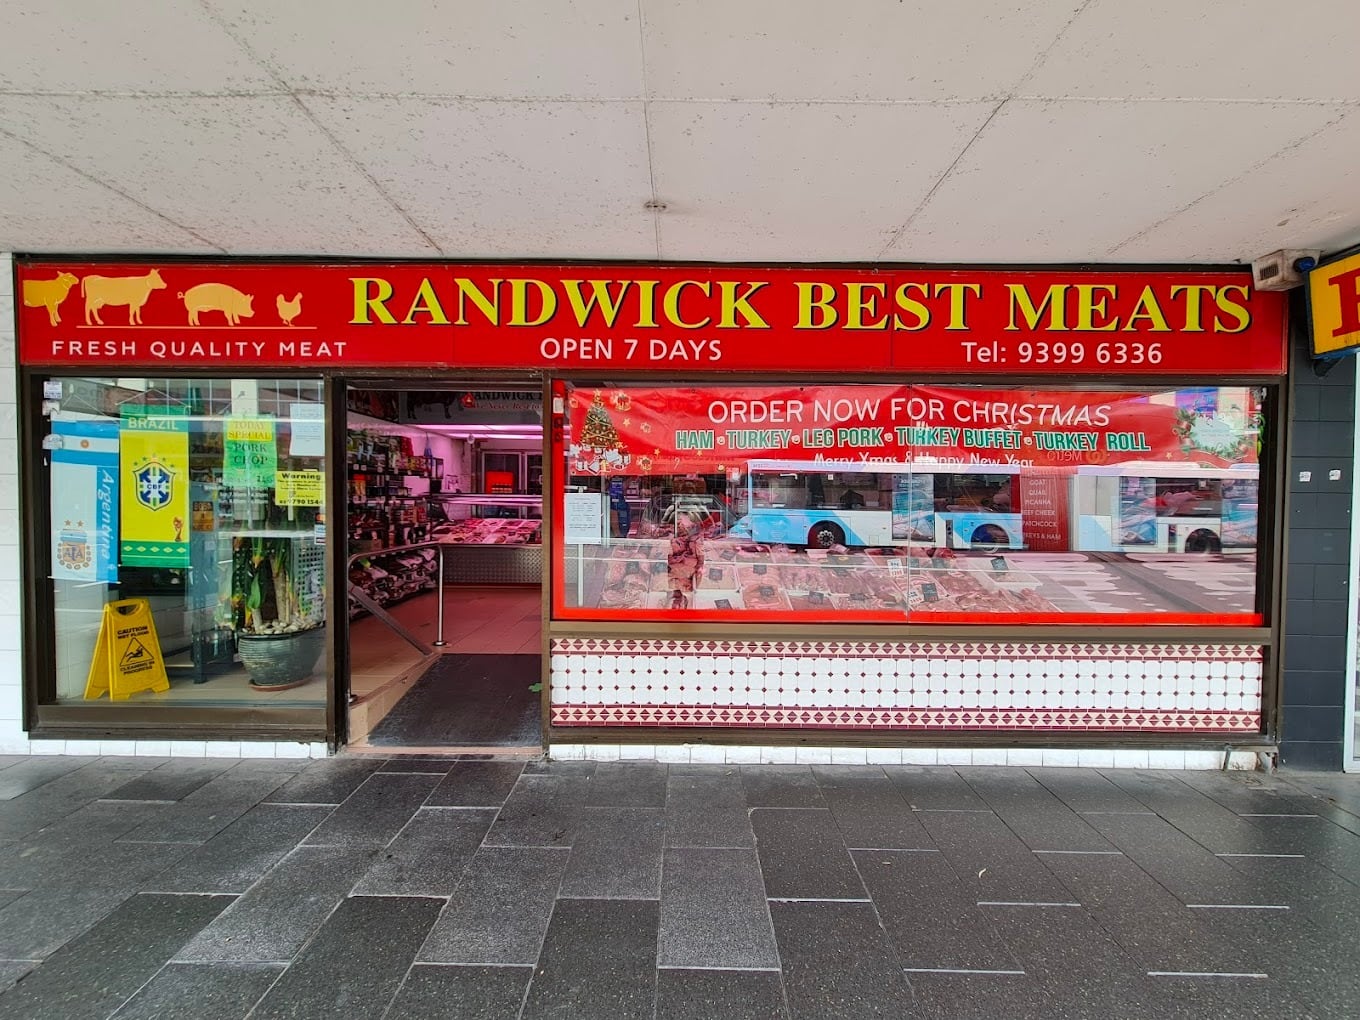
x: 598, y: 450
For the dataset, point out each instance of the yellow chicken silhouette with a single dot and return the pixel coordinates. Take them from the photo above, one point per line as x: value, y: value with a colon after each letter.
x: 289, y: 310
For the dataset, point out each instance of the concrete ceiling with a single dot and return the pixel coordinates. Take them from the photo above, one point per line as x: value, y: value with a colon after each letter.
x: 787, y: 130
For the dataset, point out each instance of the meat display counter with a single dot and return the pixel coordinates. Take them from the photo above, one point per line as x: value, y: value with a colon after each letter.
x: 494, y: 539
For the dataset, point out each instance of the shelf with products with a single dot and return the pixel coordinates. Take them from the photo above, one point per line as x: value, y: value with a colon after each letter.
x: 383, y: 522
x: 389, y: 577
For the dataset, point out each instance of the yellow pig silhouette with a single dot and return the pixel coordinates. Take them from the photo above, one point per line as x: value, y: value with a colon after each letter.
x: 217, y: 297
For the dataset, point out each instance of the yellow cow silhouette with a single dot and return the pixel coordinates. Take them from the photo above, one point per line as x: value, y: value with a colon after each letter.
x: 132, y: 291
x: 48, y: 294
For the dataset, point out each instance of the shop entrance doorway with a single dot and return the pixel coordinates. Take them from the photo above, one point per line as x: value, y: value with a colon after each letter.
x: 444, y: 532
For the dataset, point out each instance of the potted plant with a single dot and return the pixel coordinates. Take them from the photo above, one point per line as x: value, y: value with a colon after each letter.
x: 279, y: 635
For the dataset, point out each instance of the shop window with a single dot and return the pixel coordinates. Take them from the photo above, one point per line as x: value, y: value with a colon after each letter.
x: 919, y: 503
x: 187, y: 536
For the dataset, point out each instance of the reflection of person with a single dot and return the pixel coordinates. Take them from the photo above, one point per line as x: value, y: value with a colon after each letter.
x: 685, y: 561
x: 851, y: 500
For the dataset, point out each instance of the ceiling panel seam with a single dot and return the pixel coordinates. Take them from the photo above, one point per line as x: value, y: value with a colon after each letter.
x: 647, y: 131
x: 144, y: 93
x: 66, y: 164
x: 1230, y: 181
x: 939, y: 181
x: 1040, y: 60
x: 311, y: 118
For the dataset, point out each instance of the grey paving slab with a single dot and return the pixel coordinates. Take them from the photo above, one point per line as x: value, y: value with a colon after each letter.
x: 57, y: 859
x: 1082, y: 971
x: 628, y: 784
x: 234, y: 859
x: 37, y: 924
x: 868, y: 809
x: 934, y: 788
x: 1316, y: 838
x: 616, y: 854
x: 1307, y: 967
x: 707, y: 810
x: 429, y: 855
x: 598, y: 960
x: 94, y: 974
x: 802, y: 855
x: 288, y: 767
x: 791, y: 786
x: 1193, y: 998
x: 328, y: 781
x: 53, y: 801
x: 1154, y: 928
x: 714, y: 912
x: 432, y: 992
x: 930, y: 916
x: 12, y: 970
x: 172, y: 780
x: 1312, y: 890
x: 6, y: 760
x: 28, y: 775
x: 374, y: 813
x: 1086, y: 790
x: 838, y: 962
x: 730, y: 994
x: 203, y: 991
x: 355, y: 962
x: 1177, y: 862
x: 1036, y: 816
x: 200, y: 815
x: 1340, y: 790
x: 500, y: 910
x: 990, y: 860
x: 1201, y: 818
x: 1252, y: 792
x: 476, y: 784
x: 560, y: 769
x: 279, y: 913
x: 414, y: 763
x: 542, y: 810
x: 964, y: 996
x: 8, y: 896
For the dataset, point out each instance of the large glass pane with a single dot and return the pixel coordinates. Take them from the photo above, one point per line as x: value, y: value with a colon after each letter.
x: 188, y: 537
x: 930, y: 503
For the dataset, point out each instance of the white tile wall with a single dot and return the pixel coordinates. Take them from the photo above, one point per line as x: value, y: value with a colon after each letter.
x: 899, y: 685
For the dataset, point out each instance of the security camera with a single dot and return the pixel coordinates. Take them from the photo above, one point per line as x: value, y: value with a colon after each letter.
x: 1284, y: 269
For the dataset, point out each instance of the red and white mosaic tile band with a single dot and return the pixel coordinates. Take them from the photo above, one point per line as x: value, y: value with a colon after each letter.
x: 909, y: 686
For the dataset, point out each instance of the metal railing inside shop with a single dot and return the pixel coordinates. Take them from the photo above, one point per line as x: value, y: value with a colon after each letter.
x: 374, y: 609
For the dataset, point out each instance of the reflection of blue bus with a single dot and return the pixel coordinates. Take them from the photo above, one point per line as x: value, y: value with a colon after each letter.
x: 1131, y: 507
x: 852, y: 503
x: 1154, y: 507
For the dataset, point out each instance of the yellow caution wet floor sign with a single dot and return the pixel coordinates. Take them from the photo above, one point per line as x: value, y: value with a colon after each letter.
x: 127, y: 656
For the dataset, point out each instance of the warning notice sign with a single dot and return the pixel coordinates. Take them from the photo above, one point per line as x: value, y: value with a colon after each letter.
x: 127, y: 656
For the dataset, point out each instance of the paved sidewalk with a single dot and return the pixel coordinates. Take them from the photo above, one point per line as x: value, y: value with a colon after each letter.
x: 408, y: 888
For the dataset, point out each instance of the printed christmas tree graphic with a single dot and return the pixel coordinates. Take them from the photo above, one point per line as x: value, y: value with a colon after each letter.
x: 599, y: 450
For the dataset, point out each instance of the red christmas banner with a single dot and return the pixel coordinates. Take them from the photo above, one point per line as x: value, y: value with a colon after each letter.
x: 645, y: 430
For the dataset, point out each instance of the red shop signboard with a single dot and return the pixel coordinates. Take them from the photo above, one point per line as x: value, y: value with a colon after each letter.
x: 684, y: 319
